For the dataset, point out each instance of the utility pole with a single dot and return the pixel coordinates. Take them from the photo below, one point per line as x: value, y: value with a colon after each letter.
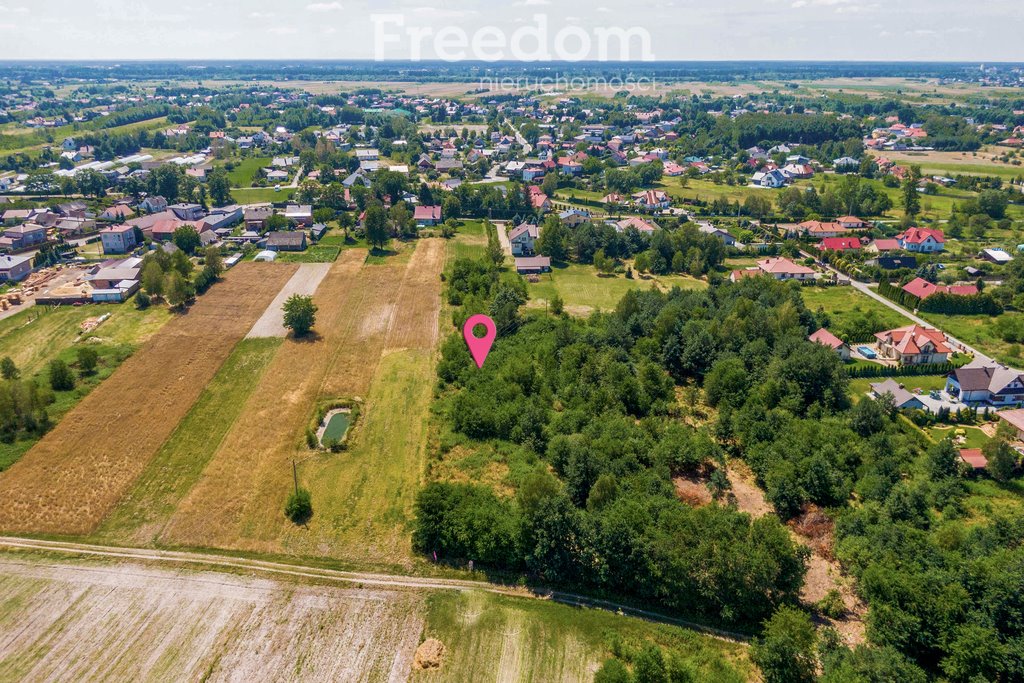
x: 295, y: 476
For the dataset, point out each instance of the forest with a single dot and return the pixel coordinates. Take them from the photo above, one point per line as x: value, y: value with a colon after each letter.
x: 599, y: 415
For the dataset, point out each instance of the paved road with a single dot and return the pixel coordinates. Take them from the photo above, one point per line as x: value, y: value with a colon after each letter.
x: 527, y: 147
x: 227, y: 562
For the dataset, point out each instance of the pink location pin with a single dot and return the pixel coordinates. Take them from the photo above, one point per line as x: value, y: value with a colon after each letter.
x: 479, y: 347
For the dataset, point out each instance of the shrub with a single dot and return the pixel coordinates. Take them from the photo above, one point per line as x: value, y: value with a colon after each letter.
x: 88, y: 358
x: 142, y: 301
x: 61, y: 378
x: 299, y: 507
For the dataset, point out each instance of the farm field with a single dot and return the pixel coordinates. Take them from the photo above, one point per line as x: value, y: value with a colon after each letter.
x: 366, y: 311
x: 499, y: 638
x: 76, y: 474
x: 142, y: 513
x: 37, y: 335
x: 959, y: 163
x: 583, y: 291
x: 66, y: 618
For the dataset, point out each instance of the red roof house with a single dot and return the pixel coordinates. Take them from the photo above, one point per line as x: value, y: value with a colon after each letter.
x: 839, y: 244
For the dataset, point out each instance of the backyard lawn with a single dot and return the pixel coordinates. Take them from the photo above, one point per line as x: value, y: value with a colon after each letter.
x: 256, y: 195
x: 246, y: 170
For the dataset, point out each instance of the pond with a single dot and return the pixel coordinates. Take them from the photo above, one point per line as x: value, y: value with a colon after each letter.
x: 335, y: 425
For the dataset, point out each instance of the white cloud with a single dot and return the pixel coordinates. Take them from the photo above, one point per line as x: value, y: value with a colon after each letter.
x: 283, y: 30
x: 261, y: 15
x: 13, y: 10
x: 324, y: 7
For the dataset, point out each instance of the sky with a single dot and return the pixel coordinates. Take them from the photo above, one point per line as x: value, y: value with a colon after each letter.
x: 882, y: 30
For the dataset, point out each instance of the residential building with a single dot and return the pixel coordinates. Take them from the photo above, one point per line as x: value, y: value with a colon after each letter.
x: 902, y: 399
x: 784, y: 269
x: 1014, y: 418
x: 118, y: 239
x: 839, y: 244
x: 922, y: 240
x: 652, y: 200
x: 117, y: 212
x: 826, y: 338
x: 256, y: 217
x: 301, y: 214
x: 923, y: 289
x: 913, y: 345
x: 427, y: 215
x: 15, y: 268
x: 773, y: 178
x: 522, y: 238
x: 709, y: 229
x: 987, y: 384
x: 23, y: 236
x: 187, y: 212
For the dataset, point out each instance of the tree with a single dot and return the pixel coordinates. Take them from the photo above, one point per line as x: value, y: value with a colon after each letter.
x: 187, y: 239
x: 276, y: 222
x: 8, y: 370
x: 177, y: 289
x: 785, y: 652
x: 324, y: 214
x: 911, y: 197
x: 556, y: 304
x: 88, y: 358
x: 376, y: 223
x: 649, y: 666
x: 1002, y: 459
x: 299, y: 314
x: 220, y: 187
x: 942, y: 460
x: 299, y: 506
x: 61, y: 378
x: 213, y: 262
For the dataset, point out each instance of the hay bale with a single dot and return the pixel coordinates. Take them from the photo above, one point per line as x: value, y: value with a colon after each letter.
x: 429, y: 654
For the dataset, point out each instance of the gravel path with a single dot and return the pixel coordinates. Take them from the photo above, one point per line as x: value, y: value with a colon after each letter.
x: 305, y: 282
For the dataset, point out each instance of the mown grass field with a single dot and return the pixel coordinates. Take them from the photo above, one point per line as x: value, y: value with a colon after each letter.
x: 843, y: 303
x: 316, y: 253
x: 583, y: 290
x: 246, y: 170
x: 140, y: 515
x: 498, y: 638
x: 925, y: 383
x: 256, y: 195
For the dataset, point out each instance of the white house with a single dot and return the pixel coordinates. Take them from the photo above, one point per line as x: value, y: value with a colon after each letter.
x: 522, y: 239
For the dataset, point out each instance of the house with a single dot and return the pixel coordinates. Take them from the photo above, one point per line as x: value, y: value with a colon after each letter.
x: 647, y: 227
x: 773, y: 178
x: 798, y: 171
x: 187, y: 212
x: 851, y: 223
x: 826, y: 338
x: 845, y: 164
x: 427, y: 215
x: 522, y: 238
x: 973, y: 458
x: 526, y: 265
x: 997, y: 256
x: 255, y: 217
x: 840, y: 244
x: 287, y: 241
x: 538, y: 200
x: 219, y: 219
x: 301, y: 214
x: 15, y: 268
x: 894, y: 262
x: 986, y: 384
x: 820, y: 230
x: 922, y: 240
x: 784, y: 269
x: 22, y: 236
x: 882, y: 246
x: 613, y: 198
x: 574, y: 217
x: 652, y: 200
x: 117, y: 212
x: 913, y: 345
x: 318, y: 231
x: 902, y: 399
x: 277, y: 176
x: 118, y: 239
x: 69, y: 145
x: 723, y: 235
x: 76, y: 209
x: 923, y: 289
x: 153, y: 204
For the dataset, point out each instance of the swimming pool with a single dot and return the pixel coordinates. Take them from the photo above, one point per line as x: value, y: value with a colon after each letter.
x: 866, y: 351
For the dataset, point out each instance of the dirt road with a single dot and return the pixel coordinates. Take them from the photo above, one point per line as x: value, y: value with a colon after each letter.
x: 172, y: 558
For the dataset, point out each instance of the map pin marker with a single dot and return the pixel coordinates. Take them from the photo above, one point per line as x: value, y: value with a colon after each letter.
x: 479, y: 347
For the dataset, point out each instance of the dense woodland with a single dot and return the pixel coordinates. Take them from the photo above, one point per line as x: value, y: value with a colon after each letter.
x: 597, y: 416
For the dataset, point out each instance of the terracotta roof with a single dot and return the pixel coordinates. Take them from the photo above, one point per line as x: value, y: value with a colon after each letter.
x: 913, y: 338
x: 973, y: 457
x: 919, y: 235
x: 839, y: 244
x: 826, y: 338
x: 784, y: 266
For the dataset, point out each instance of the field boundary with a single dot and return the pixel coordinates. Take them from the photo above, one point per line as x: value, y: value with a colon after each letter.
x: 359, y: 578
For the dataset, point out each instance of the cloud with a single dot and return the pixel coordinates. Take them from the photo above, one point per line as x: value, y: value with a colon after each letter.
x: 261, y: 15
x: 531, y: 3
x: 818, y: 3
x: 13, y: 10
x: 324, y: 7
x: 283, y: 30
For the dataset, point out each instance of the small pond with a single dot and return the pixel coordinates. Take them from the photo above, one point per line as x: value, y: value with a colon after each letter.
x: 335, y: 425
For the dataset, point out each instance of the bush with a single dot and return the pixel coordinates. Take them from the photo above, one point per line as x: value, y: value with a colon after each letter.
x: 88, y: 358
x: 832, y: 605
x: 61, y: 378
x: 299, y: 507
x: 142, y: 301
